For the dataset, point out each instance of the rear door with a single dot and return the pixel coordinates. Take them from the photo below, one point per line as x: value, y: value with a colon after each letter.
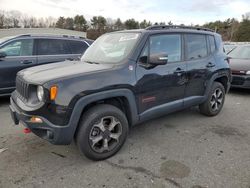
x: 200, y: 62
x: 52, y: 51
x: 19, y: 55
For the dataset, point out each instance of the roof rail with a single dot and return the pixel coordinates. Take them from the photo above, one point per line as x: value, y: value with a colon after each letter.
x: 159, y: 27
x: 73, y: 36
x: 50, y: 34
x: 23, y: 35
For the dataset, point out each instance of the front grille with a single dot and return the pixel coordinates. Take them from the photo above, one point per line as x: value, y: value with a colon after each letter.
x: 22, y: 88
x: 238, y: 80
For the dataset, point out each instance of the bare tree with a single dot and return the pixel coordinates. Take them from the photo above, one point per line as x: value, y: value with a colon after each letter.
x: 15, y: 17
x: 50, y: 22
x: 110, y: 24
x: 246, y: 16
x: 33, y: 22
x: 41, y: 23
x: 2, y: 17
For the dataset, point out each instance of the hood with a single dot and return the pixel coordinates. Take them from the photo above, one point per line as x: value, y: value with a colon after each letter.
x: 44, y: 73
x: 240, y: 64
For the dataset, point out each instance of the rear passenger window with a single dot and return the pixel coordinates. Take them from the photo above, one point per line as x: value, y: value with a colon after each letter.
x: 23, y: 47
x: 166, y: 44
x: 77, y: 47
x: 212, y: 43
x: 196, y: 46
x: 52, y: 47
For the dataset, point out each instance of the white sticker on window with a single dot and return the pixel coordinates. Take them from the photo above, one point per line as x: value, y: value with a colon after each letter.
x: 129, y: 37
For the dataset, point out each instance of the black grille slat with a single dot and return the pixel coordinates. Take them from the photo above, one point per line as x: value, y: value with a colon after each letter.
x: 22, y: 88
x: 26, y: 91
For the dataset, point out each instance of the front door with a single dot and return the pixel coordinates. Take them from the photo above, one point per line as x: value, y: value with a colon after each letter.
x: 19, y: 55
x: 162, y: 84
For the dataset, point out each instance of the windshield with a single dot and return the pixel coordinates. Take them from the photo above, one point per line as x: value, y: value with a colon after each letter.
x: 241, y: 52
x: 4, y: 39
x: 111, y: 48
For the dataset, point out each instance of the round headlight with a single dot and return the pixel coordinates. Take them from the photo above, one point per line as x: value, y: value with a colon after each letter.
x: 40, y: 93
x: 248, y: 72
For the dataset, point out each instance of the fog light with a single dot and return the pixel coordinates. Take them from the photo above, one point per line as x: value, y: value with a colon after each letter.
x: 35, y: 119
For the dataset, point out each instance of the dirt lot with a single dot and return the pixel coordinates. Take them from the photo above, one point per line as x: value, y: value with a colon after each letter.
x: 184, y: 149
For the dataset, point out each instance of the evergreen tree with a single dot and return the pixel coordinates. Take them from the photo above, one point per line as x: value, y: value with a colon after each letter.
x: 131, y: 24
x: 60, y: 22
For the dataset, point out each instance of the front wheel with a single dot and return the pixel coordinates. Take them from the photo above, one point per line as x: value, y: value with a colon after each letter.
x: 214, y: 103
x: 102, y: 132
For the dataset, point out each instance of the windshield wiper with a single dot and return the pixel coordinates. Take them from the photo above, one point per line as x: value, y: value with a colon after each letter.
x: 91, y: 62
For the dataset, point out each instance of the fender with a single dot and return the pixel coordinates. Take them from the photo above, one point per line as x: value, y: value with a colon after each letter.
x: 84, y: 101
x: 210, y: 82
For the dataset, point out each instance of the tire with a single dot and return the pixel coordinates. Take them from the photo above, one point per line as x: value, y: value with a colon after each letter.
x: 215, y: 101
x: 102, y: 132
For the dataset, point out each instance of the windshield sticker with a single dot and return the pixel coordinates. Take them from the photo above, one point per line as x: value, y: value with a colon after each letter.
x: 130, y: 37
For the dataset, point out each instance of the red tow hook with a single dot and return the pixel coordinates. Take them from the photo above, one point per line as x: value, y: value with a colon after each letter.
x: 26, y: 130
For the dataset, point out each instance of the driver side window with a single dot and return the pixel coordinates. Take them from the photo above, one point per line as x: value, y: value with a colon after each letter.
x: 18, y: 48
x: 163, y: 44
x: 169, y: 44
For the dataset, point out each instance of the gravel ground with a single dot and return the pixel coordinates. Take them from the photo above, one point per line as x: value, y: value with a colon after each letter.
x: 184, y: 149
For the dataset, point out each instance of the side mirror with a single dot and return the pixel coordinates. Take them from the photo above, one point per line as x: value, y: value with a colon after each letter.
x: 158, y: 59
x: 143, y: 60
x: 3, y: 54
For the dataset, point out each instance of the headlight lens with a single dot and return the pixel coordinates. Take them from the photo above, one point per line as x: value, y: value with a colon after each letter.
x: 40, y: 93
x: 248, y: 72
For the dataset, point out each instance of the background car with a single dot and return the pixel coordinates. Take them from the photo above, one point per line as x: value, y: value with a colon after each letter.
x: 229, y: 48
x: 20, y: 52
x: 240, y: 66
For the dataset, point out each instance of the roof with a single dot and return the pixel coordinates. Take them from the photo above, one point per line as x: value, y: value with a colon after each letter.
x: 40, y: 31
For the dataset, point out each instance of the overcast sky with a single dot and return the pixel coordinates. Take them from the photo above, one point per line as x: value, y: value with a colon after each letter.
x: 178, y: 11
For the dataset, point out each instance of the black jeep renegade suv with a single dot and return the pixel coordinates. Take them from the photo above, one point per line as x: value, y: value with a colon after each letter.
x: 123, y: 79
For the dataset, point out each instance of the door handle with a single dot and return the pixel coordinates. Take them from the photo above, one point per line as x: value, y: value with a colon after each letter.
x: 210, y: 65
x: 26, y: 62
x: 179, y: 71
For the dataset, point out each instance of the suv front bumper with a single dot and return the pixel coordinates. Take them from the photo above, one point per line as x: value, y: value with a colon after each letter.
x: 59, y: 135
x: 241, y: 81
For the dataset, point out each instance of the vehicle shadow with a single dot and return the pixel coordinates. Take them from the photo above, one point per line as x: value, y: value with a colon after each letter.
x: 4, y: 100
x: 240, y: 91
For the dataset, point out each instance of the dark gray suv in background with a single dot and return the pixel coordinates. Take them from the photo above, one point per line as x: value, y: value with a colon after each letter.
x: 23, y: 51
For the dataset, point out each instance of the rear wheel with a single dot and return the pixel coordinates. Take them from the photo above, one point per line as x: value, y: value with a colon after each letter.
x: 215, y: 100
x: 103, y: 131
